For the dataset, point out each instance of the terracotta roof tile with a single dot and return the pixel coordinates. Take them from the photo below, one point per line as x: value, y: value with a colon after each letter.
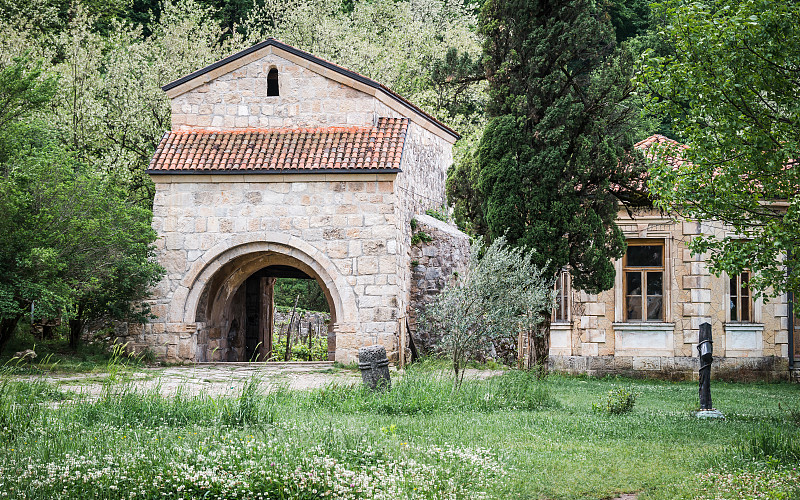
x: 668, y: 149
x: 340, y: 149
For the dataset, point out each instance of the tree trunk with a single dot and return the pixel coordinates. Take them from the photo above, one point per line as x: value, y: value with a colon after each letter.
x: 540, y: 347
x: 267, y: 315
x: 7, y: 327
x: 75, y: 328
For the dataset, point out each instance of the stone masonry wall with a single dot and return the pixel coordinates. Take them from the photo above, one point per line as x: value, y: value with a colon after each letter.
x: 347, y: 224
x: 432, y: 266
x: 238, y: 99
x: 420, y: 186
x: 356, y: 228
x: 600, y: 341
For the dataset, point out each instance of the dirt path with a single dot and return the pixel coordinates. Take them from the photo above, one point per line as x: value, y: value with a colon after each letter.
x: 222, y: 378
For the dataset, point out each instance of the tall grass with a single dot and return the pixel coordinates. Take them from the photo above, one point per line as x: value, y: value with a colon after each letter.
x: 774, y: 445
x: 423, y: 391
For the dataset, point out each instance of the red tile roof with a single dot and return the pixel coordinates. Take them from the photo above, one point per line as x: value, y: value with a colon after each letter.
x: 297, y: 150
x: 669, y: 149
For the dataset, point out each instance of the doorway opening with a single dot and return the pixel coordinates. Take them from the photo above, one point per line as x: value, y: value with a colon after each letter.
x: 280, y: 313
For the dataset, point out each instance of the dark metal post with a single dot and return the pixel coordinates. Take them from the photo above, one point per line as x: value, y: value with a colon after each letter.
x: 706, y: 357
x: 790, y: 307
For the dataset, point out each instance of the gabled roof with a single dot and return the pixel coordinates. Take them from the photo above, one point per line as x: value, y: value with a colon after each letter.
x: 377, y: 149
x: 322, y: 64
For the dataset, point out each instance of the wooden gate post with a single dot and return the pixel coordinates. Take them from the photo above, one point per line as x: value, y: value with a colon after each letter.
x: 267, y: 317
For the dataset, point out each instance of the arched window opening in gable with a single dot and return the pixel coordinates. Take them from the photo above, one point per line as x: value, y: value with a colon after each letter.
x: 272, y: 83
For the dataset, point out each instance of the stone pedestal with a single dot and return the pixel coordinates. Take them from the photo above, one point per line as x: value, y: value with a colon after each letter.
x: 712, y: 413
x: 374, y: 367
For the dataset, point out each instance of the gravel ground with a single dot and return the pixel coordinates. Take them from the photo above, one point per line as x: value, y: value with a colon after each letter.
x: 224, y: 378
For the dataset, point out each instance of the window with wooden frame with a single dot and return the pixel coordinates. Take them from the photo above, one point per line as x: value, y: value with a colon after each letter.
x: 561, y: 310
x: 741, y: 300
x: 643, y: 280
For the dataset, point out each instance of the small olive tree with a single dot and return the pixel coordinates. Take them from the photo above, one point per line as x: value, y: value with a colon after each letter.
x: 501, y: 293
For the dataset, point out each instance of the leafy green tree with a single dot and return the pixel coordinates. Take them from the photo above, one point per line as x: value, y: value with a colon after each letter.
x: 501, y: 293
x: 72, y: 244
x: 312, y: 298
x: 548, y: 164
x: 732, y: 90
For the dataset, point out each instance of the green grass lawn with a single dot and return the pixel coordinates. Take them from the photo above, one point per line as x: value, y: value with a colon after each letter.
x: 508, y: 437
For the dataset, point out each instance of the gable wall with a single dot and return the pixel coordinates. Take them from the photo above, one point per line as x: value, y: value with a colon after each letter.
x: 238, y: 99
x: 345, y: 220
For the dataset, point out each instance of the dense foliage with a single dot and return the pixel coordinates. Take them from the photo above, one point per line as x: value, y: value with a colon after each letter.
x: 73, y: 246
x: 501, y: 293
x: 546, y: 172
x: 731, y: 88
x: 308, y: 293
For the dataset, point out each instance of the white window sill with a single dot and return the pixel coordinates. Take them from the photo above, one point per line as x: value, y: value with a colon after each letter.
x: 744, y: 327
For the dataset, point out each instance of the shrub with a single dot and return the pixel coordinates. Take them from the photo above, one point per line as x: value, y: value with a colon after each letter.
x: 300, y: 350
x: 501, y: 293
x: 617, y: 401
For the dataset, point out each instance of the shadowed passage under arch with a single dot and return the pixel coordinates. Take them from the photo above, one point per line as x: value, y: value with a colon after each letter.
x: 233, y: 305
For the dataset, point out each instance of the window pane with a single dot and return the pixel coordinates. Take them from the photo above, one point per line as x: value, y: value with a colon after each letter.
x: 745, y: 308
x: 645, y: 256
x: 634, y: 283
x: 655, y: 284
x: 734, y: 309
x: 634, y: 312
x: 744, y: 293
x: 654, y: 307
x: 559, y: 313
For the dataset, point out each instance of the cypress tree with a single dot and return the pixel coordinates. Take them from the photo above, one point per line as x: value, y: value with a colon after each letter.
x: 551, y: 165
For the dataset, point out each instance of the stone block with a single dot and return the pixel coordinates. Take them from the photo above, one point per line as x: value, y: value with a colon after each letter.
x: 600, y: 363
x: 595, y: 335
x: 695, y: 281
x: 623, y: 363
x: 337, y: 249
x: 647, y: 363
x: 589, y: 349
x: 588, y: 322
x: 700, y: 295
x: 367, y: 265
x: 595, y: 309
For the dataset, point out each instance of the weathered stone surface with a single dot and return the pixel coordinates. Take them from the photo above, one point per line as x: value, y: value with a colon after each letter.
x: 432, y: 266
x: 692, y: 295
x: 374, y: 367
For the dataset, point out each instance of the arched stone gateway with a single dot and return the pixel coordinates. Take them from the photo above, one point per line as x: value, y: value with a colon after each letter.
x: 215, y: 302
x: 317, y: 174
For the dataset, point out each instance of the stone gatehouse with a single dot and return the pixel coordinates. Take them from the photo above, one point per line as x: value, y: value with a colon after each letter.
x: 281, y: 164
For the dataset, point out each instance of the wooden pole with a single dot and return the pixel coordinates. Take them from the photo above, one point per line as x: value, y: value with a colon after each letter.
x: 288, y: 355
x: 267, y: 315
